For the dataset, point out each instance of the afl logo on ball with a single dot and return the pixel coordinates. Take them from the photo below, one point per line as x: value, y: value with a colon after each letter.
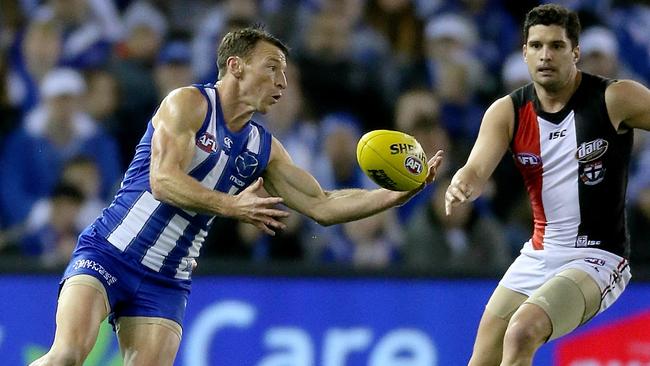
x: 413, y: 165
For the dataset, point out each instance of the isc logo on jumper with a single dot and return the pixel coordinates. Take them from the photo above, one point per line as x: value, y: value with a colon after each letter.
x: 592, y: 150
x: 207, y: 143
x: 557, y: 134
x: 413, y: 165
x: 583, y: 241
x: 528, y: 159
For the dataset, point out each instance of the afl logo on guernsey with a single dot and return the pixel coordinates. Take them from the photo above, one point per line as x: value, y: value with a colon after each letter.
x: 207, y: 143
x: 246, y: 164
x: 592, y: 150
x: 528, y: 159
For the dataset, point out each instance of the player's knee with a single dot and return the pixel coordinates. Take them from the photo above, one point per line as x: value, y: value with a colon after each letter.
x: 526, y: 334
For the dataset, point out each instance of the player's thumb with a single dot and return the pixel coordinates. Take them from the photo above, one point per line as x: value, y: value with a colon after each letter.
x: 258, y: 183
x: 255, y: 185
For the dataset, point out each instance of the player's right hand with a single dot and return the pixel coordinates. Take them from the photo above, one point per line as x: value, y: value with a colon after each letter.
x: 252, y: 207
x: 458, y: 192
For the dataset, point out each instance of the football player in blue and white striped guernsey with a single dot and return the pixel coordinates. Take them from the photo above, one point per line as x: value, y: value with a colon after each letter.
x: 201, y: 156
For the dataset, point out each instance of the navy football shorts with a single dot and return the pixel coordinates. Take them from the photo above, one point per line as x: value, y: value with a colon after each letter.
x: 133, y: 289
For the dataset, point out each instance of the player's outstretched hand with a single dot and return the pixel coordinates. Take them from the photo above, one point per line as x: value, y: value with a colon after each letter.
x: 457, y: 193
x: 251, y: 207
x: 434, y: 164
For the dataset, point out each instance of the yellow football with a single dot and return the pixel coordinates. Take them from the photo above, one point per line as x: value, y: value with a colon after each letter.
x: 392, y: 159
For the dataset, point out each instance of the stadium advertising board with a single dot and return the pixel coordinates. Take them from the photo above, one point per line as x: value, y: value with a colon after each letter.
x: 264, y: 321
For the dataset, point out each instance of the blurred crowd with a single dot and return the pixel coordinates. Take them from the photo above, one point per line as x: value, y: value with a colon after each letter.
x: 80, y: 79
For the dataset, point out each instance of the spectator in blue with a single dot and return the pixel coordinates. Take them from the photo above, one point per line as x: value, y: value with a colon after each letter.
x: 332, y: 80
x: 89, y: 29
x: 8, y: 113
x: 53, y: 238
x: 373, y: 242
x: 389, y: 40
x: 599, y: 54
x: 417, y: 112
x: 145, y: 29
x: 467, y: 240
x: 497, y: 29
x: 35, y: 51
x: 56, y: 131
x: 639, y: 211
x: 102, y: 98
x: 631, y: 22
x: 74, y: 34
x: 455, y: 73
x: 335, y: 166
x: 216, y: 21
x: 173, y: 67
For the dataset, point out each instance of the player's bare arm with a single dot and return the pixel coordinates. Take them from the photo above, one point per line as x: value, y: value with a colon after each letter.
x: 491, y: 144
x: 304, y: 194
x: 176, y: 122
x: 628, y: 103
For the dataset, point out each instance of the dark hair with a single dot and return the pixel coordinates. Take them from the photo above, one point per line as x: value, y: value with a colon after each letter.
x: 241, y: 42
x: 553, y: 14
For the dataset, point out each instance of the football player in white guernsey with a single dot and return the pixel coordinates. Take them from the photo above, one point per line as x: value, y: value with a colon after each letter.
x: 154, y: 228
x: 570, y: 134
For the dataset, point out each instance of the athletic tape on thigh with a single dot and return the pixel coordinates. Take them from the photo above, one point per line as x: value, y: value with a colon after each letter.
x: 128, y: 321
x: 569, y: 299
x: 87, y: 280
x: 504, y: 302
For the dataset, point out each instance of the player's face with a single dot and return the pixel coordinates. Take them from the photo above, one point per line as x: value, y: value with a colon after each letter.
x: 550, y: 57
x: 264, y: 77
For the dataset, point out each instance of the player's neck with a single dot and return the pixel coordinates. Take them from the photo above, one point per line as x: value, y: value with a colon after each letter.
x: 236, y: 113
x: 553, y: 100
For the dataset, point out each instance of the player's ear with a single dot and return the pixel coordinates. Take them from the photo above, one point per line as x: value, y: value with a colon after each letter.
x: 524, y: 52
x: 576, y: 54
x: 235, y: 66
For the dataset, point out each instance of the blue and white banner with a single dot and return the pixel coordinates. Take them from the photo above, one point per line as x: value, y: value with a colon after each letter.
x: 275, y: 321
